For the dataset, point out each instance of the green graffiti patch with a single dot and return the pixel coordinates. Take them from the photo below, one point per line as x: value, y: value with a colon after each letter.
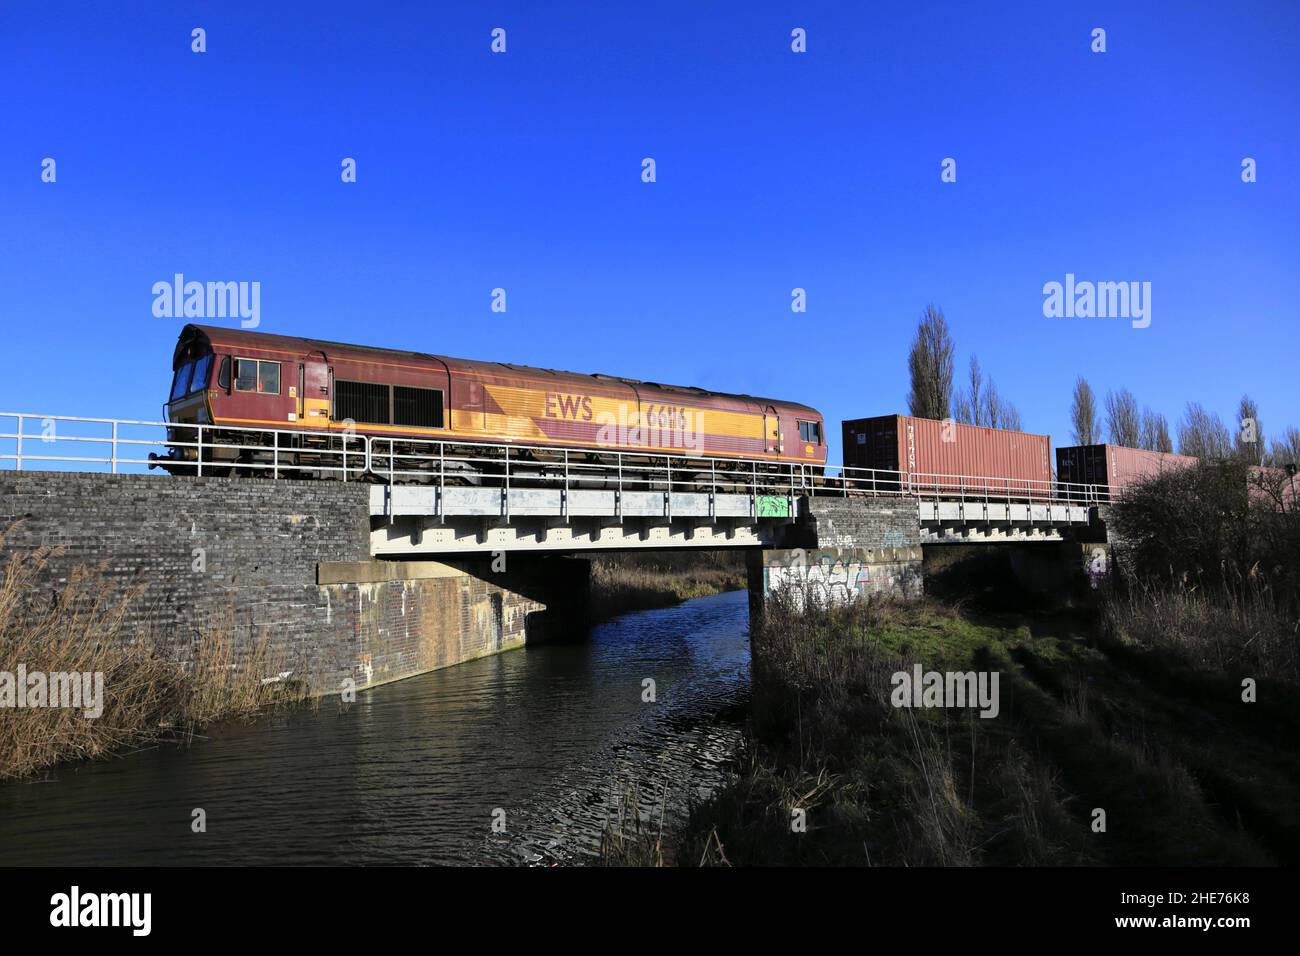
x: 773, y: 506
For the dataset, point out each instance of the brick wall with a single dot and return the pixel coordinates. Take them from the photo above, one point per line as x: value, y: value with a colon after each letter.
x: 859, y: 523
x: 241, y: 556
x: 836, y: 576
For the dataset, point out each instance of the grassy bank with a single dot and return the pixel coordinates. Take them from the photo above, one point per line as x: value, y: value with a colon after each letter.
x: 633, y: 582
x: 1096, y: 712
x: 147, y: 697
x: 1158, y: 726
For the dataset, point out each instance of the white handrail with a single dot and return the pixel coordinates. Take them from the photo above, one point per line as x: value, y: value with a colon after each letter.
x: 753, y: 476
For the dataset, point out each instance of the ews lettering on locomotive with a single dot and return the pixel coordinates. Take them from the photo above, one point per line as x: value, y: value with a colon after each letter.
x: 568, y: 407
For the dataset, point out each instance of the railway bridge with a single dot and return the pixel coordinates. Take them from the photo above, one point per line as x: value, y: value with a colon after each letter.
x: 410, y: 560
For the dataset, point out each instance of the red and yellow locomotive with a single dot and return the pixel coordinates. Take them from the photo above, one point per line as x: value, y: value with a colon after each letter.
x: 249, y: 386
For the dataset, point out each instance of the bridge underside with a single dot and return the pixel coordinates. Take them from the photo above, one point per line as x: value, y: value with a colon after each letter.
x: 424, y: 520
x: 976, y: 521
x: 420, y: 520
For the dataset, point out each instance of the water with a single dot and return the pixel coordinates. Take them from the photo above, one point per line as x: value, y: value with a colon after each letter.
x: 412, y: 772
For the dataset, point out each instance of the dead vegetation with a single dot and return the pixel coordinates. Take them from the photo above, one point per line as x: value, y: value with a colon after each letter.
x: 78, y: 626
x: 631, y: 582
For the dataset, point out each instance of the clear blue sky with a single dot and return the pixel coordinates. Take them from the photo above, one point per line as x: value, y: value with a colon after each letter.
x: 775, y: 170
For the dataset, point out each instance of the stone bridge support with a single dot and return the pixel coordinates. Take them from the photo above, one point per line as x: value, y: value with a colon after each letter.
x: 283, y: 570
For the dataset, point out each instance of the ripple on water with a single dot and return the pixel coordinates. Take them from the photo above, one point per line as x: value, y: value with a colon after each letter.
x: 412, y: 772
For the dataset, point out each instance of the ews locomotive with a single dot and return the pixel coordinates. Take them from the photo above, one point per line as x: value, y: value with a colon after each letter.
x: 248, y: 385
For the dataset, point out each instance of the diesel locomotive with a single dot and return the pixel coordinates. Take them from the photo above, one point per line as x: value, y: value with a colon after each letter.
x: 414, y: 407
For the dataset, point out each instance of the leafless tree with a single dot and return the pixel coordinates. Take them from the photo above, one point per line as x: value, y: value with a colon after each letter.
x: 1286, y: 450
x: 1250, y: 431
x: 979, y: 403
x: 1163, y: 441
x: 970, y: 405
x: 1002, y: 414
x: 1203, y: 434
x: 1123, y: 421
x: 930, y: 365
x: 1148, y: 439
x: 1083, y: 413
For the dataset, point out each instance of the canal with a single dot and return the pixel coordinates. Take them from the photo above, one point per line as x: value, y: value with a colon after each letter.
x: 545, y: 739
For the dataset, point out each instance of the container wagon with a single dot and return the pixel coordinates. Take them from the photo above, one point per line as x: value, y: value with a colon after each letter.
x: 902, y: 452
x: 1112, y: 467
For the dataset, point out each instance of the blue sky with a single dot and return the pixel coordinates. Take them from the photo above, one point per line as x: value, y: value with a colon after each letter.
x: 775, y: 170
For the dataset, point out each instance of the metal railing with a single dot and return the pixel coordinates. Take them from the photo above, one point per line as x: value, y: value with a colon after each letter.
x: 286, y: 453
x: 196, y: 449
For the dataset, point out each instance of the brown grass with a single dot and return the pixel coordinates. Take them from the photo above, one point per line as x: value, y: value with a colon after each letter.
x: 78, y: 626
x: 630, y: 837
x: 623, y: 583
x: 1238, y: 627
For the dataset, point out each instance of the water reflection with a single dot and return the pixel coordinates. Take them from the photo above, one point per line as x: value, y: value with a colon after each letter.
x: 412, y: 772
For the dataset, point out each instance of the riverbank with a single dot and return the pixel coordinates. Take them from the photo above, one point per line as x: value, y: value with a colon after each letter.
x: 73, y: 688
x: 1108, y: 746
x: 622, y: 583
x: 542, y: 734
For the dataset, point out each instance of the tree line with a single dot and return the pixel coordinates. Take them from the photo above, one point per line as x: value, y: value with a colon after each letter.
x: 1119, y: 420
x: 931, y: 367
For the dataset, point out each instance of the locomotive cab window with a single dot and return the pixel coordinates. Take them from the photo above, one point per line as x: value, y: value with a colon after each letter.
x: 268, y: 377
x: 202, y: 370
x: 254, y: 376
x: 811, y: 432
x: 181, y: 383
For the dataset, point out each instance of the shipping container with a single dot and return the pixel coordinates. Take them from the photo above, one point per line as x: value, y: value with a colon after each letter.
x: 1113, y: 466
x: 936, y: 455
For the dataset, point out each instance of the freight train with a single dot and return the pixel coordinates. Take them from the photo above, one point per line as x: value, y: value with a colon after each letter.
x: 940, y: 455
x: 934, y: 456
x: 416, y: 407
x: 291, y: 403
x: 1113, y: 466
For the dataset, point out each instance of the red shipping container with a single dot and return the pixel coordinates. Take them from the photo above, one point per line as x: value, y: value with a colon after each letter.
x: 1113, y: 465
x: 947, y: 454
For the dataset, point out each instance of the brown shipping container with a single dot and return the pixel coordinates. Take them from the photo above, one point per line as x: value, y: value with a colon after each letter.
x: 1007, y: 459
x: 1112, y: 465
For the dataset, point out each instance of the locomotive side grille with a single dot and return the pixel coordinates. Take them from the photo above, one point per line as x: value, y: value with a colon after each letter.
x: 361, y: 402
x: 420, y: 407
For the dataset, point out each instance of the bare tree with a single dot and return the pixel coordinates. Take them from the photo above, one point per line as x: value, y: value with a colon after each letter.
x: 1148, y: 440
x: 969, y: 404
x: 1083, y: 413
x: 1203, y: 434
x: 1123, y: 421
x: 1286, y: 450
x: 930, y: 365
x: 1250, y: 431
x: 1163, y: 441
x: 1002, y: 414
x: 978, y: 400
x: 980, y: 404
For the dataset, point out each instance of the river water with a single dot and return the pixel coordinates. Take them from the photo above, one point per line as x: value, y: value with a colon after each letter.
x: 544, y: 739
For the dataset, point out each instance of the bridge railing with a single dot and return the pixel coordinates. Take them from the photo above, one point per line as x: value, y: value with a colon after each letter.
x: 63, y: 442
